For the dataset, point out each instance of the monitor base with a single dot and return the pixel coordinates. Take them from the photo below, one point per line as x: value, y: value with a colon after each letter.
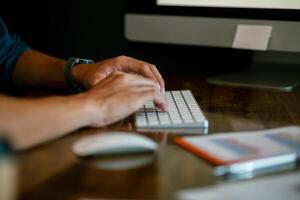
x: 270, y: 70
x: 252, y: 78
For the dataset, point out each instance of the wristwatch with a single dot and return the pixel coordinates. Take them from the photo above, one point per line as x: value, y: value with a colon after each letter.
x: 71, y: 63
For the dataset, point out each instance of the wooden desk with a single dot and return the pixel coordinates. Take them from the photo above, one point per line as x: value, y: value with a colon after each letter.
x: 53, y: 172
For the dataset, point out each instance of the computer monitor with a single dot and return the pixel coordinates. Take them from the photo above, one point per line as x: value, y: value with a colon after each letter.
x: 271, y: 28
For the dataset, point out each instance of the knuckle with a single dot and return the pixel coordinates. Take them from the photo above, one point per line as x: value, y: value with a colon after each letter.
x: 145, y: 65
x: 153, y: 67
x: 121, y: 58
x: 116, y: 73
x: 145, y: 68
x: 122, y: 77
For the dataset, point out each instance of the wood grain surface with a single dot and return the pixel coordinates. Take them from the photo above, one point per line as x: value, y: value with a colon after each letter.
x: 52, y: 171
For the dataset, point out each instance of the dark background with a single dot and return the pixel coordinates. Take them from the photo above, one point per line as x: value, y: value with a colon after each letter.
x: 69, y: 28
x: 94, y: 29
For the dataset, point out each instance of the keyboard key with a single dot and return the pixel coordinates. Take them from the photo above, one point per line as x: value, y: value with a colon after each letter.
x: 164, y: 118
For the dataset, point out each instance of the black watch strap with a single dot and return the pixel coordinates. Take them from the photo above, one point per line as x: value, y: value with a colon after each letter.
x: 71, y: 63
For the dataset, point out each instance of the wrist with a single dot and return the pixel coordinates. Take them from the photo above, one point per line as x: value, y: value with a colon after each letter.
x: 75, y: 72
x: 83, y: 108
x: 91, y: 109
x: 96, y: 110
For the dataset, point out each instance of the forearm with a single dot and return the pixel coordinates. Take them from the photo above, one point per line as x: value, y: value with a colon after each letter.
x: 31, y: 122
x: 35, y: 69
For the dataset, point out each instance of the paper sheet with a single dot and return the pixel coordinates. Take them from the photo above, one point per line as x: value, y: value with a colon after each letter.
x: 275, y: 188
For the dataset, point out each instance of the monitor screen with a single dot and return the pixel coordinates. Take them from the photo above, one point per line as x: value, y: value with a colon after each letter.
x: 213, y: 23
x: 266, y: 4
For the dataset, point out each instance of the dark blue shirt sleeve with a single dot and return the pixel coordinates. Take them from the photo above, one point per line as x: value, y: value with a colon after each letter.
x: 11, y: 48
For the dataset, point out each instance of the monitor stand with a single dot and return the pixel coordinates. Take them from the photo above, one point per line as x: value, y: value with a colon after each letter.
x: 270, y: 70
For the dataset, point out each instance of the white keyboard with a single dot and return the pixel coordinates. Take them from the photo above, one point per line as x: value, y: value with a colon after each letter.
x: 184, y: 113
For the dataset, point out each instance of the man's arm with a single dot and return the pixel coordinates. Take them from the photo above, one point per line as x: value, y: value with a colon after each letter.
x: 35, y: 69
x: 29, y: 122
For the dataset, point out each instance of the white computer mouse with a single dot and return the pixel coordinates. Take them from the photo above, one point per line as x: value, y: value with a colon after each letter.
x: 113, y: 143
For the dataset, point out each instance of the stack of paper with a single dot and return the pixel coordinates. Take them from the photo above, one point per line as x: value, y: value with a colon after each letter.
x: 228, y: 148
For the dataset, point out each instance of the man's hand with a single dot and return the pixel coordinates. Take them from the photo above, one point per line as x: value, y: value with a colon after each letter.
x: 89, y: 75
x: 120, y: 95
